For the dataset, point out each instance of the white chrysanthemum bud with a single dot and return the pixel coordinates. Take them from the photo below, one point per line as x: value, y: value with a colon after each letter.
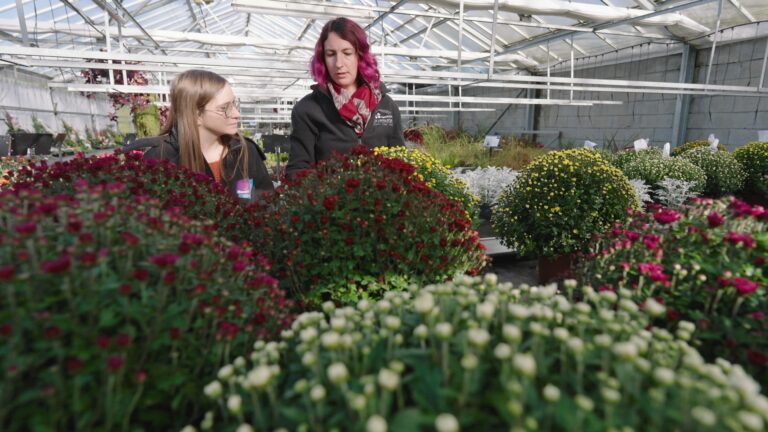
x: 301, y: 386
x: 444, y: 330
x: 664, y: 376
x: 551, y: 393
x: 575, y: 345
x: 654, y: 308
x: 376, y: 423
x: 515, y: 407
x: 643, y: 365
x: 383, y: 306
x: 560, y: 333
x: 369, y: 389
x: 234, y: 404
x: 363, y: 305
x: 259, y: 377
x: 478, y: 337
x: 338, y: 323
x: 583, y: 308
x: 317, y: 393
x: 485, y: 311
x: 628, y: 306
x: 686, y: 326
x: 446, y: 422
x: 609, y: 296
x: 188, y: 428
x: 308, y: 359
x: 213, y: 390
x: 569, y: 283
x: 518, y: 312
x: 330, y: 340
x: 358, y: 402
x: 610, y: 395
x: 502, y: 351
x: 239, y: 362
x: 337, y: 373
x: 751, y: 421
x: 704, y: 416
x: 603, y: 340
x: 421, y: 332
x: 511, y: 333
x: 308, y: 335
x: 207, y: 423
x: 328, y: 307
x: 424, y: 303
x: 491, y: 279
x: 626, y: 351
x: 584, y: 403
x: 226, y: 372
x: 469, y: 362
x: 388, y: 379
x: 392, y: 322
x: 525, y: 365
x: 245, y: 427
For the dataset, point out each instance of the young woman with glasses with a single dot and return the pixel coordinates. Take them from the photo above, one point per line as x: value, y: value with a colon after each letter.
x: 201, y: 134
x: 347, y: 106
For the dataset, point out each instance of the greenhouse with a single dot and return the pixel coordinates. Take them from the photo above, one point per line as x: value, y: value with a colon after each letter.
x: 383, y: 215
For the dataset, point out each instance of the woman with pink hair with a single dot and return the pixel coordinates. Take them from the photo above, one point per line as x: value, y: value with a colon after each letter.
x: 348, y: 105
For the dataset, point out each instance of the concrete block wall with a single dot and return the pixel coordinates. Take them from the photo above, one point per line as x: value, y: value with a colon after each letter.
x: 641, y: 115
x: 735, y: 120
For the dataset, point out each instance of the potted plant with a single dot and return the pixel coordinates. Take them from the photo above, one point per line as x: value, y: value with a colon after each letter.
x: 476, y: 356
x: 556, y: 204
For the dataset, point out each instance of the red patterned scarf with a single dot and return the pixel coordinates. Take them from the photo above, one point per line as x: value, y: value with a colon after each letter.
x: 355, y: 109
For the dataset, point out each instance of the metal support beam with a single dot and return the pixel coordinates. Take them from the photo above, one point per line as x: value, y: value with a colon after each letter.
x: 84, y: 16
x: 765, y: 62
x: 381, y: 16
x: 683, y: 101
x: 553, y: 36
x: 714, y: 41
x: 493, y: 37
x: 22, y: 22
x: 530, y: 115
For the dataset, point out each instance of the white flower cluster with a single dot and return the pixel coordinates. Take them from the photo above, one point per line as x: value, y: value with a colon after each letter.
x: 474, y: 337
x: 487, y: 183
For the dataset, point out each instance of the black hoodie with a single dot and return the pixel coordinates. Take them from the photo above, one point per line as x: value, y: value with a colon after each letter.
x: 318, y: 129
x: 166, y: 147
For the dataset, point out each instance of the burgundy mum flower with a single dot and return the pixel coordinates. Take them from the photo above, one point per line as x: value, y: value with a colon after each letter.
x: 58, y: 265
x: 329, y: 202
x: 7, y: 272
x: 114, y: 363
x: 25, y: 228
x: 666, y: 216
x: 174, y: 333
x: 714, y: 219
x: 52, y: 332
x: 744, y: 286
x: 129, y: 238
x: 757, y: 358
x: 123, y: 340
x: 164, y: 260
x: 74, y: 364
x: 103, y: 341
x: 140, y: 376
x: 6, y: 330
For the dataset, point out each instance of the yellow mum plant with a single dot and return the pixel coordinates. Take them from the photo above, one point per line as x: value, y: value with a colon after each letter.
x: 435, y: 175
x: 556, y: 204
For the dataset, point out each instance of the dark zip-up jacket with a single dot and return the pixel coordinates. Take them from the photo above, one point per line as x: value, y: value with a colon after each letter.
x: 318, y: 129
x: 166, y: 147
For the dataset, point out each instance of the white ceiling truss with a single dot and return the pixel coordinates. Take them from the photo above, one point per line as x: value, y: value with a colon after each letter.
x: 264, y: 46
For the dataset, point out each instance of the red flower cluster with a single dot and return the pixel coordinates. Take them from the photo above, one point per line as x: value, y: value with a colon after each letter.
x: 706, y: 263
x: 364, y: 217
x: 93, y: 297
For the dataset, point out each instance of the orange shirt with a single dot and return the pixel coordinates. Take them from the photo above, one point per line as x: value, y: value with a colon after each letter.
x: 216, y: 170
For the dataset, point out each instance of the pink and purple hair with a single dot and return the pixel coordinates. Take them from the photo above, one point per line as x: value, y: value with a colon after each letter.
x: 350, y: 31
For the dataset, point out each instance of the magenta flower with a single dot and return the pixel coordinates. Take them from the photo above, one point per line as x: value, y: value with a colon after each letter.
x: 651, y: 241
x: 666, y: 216
x: 58, y: 265
x: 7, y: 272
x: 744, y: 286
x: 25, y: 228
x: 164, y: 260
x: 714, y: 219
x: 114, y: 363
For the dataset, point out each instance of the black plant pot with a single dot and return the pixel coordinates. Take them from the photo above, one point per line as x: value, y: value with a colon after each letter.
x: 485, y: 212
x: 21, y: 142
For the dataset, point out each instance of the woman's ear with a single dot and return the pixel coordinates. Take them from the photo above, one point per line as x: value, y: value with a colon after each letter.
x: 199, y: 118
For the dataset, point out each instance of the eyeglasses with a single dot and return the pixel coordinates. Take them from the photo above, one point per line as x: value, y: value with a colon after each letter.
x: 228, y: 110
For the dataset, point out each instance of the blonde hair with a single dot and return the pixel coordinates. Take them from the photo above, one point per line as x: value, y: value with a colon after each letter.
x: 190, y: 92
